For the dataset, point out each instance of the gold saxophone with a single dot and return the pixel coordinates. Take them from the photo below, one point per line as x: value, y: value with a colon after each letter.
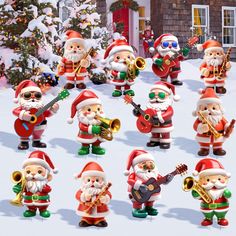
x: 191, y: 184
x: 139, y: 63
x: 108, y: 126
x: 17, y: 178
x: 215, y: 133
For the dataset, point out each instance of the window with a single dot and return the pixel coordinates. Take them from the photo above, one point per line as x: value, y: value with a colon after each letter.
x: 200, y: 21
x: 228, y: 26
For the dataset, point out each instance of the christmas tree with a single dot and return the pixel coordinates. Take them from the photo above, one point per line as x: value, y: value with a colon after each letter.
x: 84, y: 19
x: 28, y: 28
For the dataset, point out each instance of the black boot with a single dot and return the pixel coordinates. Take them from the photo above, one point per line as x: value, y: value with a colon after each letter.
x: 177, y: 82
x: 164, y: 145
x: 83, y: 223
x: 152, y: 144
x: 39, y: 144
x: 220, y: 90
x: 101, y: 224
x: 81, y: 86
x: 203, y: 152
x: 69, y: 86
x: 24, y: 145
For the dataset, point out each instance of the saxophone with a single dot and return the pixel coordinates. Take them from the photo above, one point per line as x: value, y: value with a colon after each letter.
x: 212, y: 129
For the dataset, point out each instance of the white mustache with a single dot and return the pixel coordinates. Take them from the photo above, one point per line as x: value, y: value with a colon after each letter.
x: 212, y: 112
x: 35, y: 177
x: 217, y: 185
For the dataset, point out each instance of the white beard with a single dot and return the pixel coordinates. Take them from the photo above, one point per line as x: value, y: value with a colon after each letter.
x: 214, y: 118
x: 217, y: 192
x: 74, y: 57
x: 211, y: 61
x: 87, y: 189
x: 36, y: 185
x: 90, y: 119
x: 167, y: 51
x: 144, y: 174
x: 119, y: 66
x: 28, y: 104
x: 159, y: 106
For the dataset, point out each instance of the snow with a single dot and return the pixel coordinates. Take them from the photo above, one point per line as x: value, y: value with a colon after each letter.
x: 178, y: 212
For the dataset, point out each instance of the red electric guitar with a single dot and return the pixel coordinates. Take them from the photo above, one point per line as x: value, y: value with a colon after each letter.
x: 145, y: 120
x: 25, y: 128
x: 168, y: 61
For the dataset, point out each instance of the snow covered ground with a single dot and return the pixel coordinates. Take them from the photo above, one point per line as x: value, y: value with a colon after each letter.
x: 178, y: 212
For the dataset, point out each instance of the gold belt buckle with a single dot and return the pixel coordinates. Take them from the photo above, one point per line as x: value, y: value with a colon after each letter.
x: 167, y: 62
x: 35, y: 197
x: 212, y: 206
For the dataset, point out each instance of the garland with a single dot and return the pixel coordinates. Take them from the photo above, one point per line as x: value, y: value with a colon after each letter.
x: 133, y: 5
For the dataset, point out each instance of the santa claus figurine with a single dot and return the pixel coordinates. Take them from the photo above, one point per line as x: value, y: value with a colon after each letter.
x: 144, y: 168
x: 211, y: 126
x: 28, y: 95
x: 168, y: 45
x: 147, y: 36
x: 93, y: 196
x: 213, y: 178
x: 119, y: 55
x: 89, y: 107
x: 161, y: 97
x: 75, y: 61
x: 212, y: 73
x: 37, y: 172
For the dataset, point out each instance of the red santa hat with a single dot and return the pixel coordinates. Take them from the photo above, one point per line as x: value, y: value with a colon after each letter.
x: 118, y: 45
x: 42, y: 159
x: 25, y: 86
x: 162, y: 38
x: 85, y: 98
x: 73, y: 36
x: 210, y: 166
x: 91, y: 169
x: 168, y: 88
x: 210, y: 45
x: 135, y: 157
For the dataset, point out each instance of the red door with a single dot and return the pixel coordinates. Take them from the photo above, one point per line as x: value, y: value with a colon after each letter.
x: 121, y: 20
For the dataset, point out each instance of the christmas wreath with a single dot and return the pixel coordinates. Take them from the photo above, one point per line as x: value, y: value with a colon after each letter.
x: 133, y: 5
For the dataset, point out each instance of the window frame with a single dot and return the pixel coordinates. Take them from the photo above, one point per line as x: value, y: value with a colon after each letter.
x: 207, y: 25
x: 223, y: 26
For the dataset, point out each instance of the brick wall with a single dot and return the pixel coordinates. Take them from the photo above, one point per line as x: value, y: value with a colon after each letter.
x: 175, y: 16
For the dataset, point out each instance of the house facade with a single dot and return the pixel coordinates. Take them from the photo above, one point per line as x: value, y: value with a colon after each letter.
x: 209, y: 18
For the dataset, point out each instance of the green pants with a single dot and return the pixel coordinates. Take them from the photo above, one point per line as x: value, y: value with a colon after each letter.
x: 219, y: 215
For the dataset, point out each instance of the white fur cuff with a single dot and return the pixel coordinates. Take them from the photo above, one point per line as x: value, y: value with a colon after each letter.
x: 137, y: 184
x: 82, y: 197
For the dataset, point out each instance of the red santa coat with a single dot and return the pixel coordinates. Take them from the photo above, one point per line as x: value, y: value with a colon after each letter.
x: 164, y: 117
x: 85, y: 134
x: 213, y: 77
x: 116, y: 80
x: 19, y: 112
x: 147, y: 35
x: 208, y: 137
x: 68, y: 68
x: 101, y: 210
x: 37, y: 199
x: 174, y: 70
x: 135, y: 182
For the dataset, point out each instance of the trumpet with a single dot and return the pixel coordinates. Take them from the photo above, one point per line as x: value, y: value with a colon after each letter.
x: 108, y: 127
x: 191, y: 184
x: 215, y: 133
x: 17, y: 178
x: 139, y: 63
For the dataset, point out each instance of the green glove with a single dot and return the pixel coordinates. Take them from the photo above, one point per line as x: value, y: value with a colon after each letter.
x: 195, y: 194
x: 122, y: 75
x: 96, y: 129
x: 17, y: 188
x: 227, y: 193
x: 185, y: 51
x: 158, y: 61
x: 137, y: 72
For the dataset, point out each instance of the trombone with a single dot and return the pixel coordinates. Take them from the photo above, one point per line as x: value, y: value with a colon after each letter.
x: 191, y: 184
x: 17, y: 178
x: 108, y: 126
x: 139, y: 63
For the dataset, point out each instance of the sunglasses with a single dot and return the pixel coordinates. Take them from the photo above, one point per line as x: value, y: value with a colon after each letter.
x: 166, y: 44
x: 28, y: 95
x: 152, y: 167
x: 160, y: 95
